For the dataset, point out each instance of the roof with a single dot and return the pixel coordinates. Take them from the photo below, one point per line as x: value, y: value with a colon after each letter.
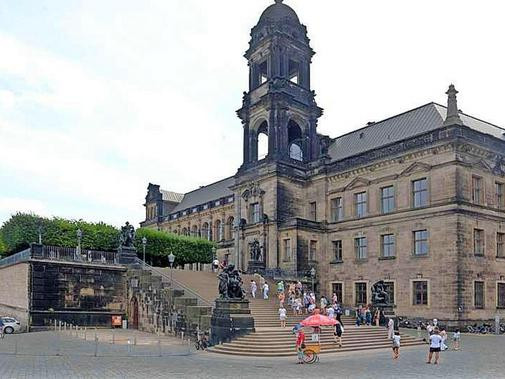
x: 279, y: 12
x: 205, y: 194
x: 171, y: 196
x: 405, y: 125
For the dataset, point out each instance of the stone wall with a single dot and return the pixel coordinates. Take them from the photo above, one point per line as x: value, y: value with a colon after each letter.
x: 14, y: 297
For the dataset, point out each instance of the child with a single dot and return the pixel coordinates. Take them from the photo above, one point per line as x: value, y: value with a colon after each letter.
x: 456, y: 338
x: 443, y: 334
x: 300, y: 345
x: 396, y: 345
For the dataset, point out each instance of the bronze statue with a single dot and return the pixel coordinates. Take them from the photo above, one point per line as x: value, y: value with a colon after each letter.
x: 379, y: 294
x: 255, y: 251
x: 127, y: 236
x: 230, y: 284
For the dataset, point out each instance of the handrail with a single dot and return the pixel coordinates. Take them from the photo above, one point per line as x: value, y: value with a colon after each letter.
x: 178, y: 284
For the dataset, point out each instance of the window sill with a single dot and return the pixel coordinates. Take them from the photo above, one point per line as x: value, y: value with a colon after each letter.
x: 478, y: 255
x: 500, y: 257
x: 336, y: 262
x: 387, y: 258
x: 363, y: 260
x: 420, y: 255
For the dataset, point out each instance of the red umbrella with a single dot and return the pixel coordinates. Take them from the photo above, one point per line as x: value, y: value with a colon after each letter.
x: 318, y: 320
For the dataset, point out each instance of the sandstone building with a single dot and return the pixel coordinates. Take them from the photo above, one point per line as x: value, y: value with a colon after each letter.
x: 417, y: 200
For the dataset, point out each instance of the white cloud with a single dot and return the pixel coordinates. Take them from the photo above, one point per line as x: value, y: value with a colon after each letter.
x: 113, y: 95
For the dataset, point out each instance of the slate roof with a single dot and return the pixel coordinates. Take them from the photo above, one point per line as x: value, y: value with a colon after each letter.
x: 405, y: 125
x: 205, y: 194
x: 171, y: 196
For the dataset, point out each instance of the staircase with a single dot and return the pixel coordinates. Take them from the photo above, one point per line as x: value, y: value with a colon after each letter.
x: 269, y: 339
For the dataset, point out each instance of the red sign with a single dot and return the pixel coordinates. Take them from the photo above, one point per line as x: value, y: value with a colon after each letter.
x: 117, y: 320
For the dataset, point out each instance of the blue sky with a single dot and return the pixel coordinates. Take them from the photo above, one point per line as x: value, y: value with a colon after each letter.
x: 99, y: 98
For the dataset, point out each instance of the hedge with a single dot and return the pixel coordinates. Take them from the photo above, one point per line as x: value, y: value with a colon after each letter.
x: 22, y: 229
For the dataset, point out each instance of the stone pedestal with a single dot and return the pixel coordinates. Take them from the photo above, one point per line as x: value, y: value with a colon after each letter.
x: 127, y: 255
x: 230, y: 319
x: 254, y: 267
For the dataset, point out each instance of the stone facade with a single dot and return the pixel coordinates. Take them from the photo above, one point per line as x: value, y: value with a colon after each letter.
x: 14, y: 299
x: 416, y: 200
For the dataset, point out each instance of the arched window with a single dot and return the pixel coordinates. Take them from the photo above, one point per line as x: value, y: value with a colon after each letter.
x: 205, y: 231
x: 219, y: 230
x: 229, y: 228
x: 194, y: 231
x: 184, y: 231
x: 262, y: 141
x: 295, y: 141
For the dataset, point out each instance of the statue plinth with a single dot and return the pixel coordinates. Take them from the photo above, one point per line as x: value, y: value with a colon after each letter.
x: 254, y: 267
x: 231, y: 318
x: 127, y: 255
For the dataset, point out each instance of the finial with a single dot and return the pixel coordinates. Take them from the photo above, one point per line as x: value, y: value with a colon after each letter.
x: 452, y: 107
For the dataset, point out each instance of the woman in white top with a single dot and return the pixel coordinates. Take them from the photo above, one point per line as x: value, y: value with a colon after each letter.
x: 265, y: 291
x: 282, y: 316
x: 391, y: 328
x: 435, y: 345
x: 254, y: 288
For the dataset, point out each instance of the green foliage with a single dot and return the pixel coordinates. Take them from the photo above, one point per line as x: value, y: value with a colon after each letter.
x: 22, y: 229
x: 186, y: 249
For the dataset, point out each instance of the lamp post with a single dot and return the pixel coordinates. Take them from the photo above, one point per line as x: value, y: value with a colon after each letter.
x: 312, y: 276
x: 40, y: 234
x: 79, y: 239
x: 171, y: 259
x: 214, y: 266
x: 144, y: 243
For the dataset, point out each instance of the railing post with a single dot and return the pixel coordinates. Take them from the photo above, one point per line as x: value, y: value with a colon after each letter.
x: 159, y: 347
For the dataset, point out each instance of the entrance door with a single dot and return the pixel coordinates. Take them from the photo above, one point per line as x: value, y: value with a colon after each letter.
x: 134, y: 312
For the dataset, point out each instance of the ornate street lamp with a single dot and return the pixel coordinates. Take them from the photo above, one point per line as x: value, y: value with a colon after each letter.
x: 79, y: 240
x: 312, y: 275
x: 171, y: 259
x: 144, y: 243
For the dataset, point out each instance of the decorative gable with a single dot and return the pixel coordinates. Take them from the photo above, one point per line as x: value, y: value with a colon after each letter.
x: 415, y: 167
x: 357, y: 182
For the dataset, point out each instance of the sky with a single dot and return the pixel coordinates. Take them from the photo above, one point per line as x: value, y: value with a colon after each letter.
x: 100, y: 97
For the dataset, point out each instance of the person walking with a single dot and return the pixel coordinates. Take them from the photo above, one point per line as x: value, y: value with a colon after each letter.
x: 282, y: 316
x: 339, y: 330
x: 280, y: 287
x: 368, y: 316
x: 281, y: 298
x: 435, y: 345
x: 377, y: 317
x: 254, y: 288
x: 391, y: 328
x: 331, y: 312
x: 338, y: 313
x: 396, y: 345
x: 265, y: 291
x: 456, y: 339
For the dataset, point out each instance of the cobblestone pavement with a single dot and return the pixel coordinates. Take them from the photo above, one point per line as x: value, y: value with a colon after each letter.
x: 480, y: 357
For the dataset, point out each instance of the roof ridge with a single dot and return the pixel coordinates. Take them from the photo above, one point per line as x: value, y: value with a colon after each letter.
x: 208, y: 185
x: 381, y: 121
x: 475, y: 118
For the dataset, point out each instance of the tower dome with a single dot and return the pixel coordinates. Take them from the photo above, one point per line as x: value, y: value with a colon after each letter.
x: 279, y: 12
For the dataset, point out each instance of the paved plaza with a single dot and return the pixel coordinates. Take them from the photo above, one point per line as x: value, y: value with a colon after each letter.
x: 481, y: 357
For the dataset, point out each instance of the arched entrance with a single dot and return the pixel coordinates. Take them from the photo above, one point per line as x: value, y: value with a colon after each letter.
x: 134, y: 313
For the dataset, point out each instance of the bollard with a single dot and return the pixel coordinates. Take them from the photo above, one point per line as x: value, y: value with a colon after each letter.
x: 85, y: 332
x: 59, y: 326
x: 96, y: 345
x: 113, y: 340
x: 159, y: 347
x: 55, y: 325
x: 134, y: 339
x: 77, y: 331
x: 497, y: 324
x: 129, y: 347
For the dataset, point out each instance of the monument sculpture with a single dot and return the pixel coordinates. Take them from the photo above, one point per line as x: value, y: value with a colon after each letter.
x: 126, y: 250
x: 381, y: 302
x: 231, y: 316
x: 257, y: 258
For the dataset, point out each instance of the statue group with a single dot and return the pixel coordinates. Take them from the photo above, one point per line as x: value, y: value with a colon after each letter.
x: 255, y: 251
x: 230, y: 284
x: 127, y: 236
x: 380, y: 297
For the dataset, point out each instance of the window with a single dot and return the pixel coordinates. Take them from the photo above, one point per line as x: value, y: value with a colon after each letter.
x: 287, y: 249
x: 420, y: 242
x: 420, y: 292
x: 294, y: 71
x: 388, y: 199
x: 478, y: 242
x: 337, y: 251
x: 500, y: 296
x: 389, y: 287
x: 219, y: 230
x: 477, y: 190
x: 254, y: 210
x: 360, y: 201
x: 313, y: 211
x: 360, y: 247
x: 420, y: 193
x: 388, y: 245
x: 500, y: 245
x: 478, y: 295
x: 338, y: 290
x: 337, y: 209
x: 312, y: 250
x: 500, y: 195
x: 360, y: 294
